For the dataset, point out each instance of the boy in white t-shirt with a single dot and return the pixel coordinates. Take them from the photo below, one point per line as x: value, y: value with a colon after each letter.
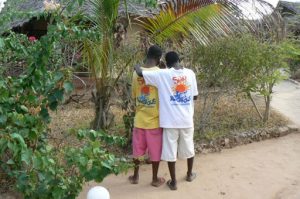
x: 177, y: 88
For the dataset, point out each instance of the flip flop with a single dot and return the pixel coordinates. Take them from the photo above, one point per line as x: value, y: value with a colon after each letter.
x: 191, y: 177
x: 171, y: 186
x: 160, y: 182
x: 133, y: 180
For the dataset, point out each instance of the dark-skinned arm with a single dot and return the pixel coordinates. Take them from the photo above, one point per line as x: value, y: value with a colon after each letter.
x: 138, y: 70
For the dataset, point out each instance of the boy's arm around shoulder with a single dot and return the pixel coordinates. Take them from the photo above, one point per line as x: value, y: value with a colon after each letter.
x: 138, y: 70
x: 152, y: 77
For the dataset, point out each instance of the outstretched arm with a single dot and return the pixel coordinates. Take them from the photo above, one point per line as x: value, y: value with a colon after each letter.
x: 195, y: 89
x: 138, y: 70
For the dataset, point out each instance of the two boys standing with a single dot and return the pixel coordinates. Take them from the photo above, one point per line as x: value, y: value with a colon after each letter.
x: 164, y: 99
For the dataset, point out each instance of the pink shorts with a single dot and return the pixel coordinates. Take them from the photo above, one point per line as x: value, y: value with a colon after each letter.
x: 143, y: 139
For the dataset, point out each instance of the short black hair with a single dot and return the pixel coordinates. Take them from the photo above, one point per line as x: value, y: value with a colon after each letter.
x: 171, y: 58
x: 154, y: 52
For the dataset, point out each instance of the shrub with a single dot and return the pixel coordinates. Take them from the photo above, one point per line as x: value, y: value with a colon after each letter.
x: 38, y: 169
x: 237, y: 64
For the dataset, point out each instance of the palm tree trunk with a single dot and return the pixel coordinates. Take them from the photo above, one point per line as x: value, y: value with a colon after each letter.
x: 99, y: 120
x: 102, y: 107
x: 103, y: 118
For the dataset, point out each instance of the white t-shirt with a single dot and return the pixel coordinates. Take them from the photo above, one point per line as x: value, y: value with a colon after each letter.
x: 176, y: 90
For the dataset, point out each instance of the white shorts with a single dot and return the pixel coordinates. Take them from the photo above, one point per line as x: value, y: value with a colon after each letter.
x: 177, y: 140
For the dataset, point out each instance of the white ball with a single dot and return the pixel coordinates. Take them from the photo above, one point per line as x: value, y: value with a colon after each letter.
x: 98, y: 192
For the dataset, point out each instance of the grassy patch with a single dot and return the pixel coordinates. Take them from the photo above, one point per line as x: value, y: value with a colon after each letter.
x: 231, y: 114
x: 234, y: 114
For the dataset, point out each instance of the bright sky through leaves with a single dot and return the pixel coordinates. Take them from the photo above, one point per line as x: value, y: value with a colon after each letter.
x: 255, y: 9
x: 2, y: 4
x: 251, y: 13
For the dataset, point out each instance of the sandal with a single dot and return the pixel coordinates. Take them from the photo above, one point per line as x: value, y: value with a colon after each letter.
x: 133, y: 180
x: 191, y: 177
x: 172, y: 186
x: 158, y: 183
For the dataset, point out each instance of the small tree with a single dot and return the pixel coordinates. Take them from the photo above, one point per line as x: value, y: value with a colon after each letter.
x: 237, y: 64
x: 222, y: 67
x: 268, y: 72
x: 292, y: 49
x: 101, y: 56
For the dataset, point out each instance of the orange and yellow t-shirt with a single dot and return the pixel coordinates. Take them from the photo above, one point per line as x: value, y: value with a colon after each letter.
x: 146, y: 100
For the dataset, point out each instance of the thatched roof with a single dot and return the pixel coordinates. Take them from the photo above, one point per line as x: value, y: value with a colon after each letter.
x: 137, y: 9
x: 15, y: 13
x: 289, y: 8
x: 34, y: 6
x: 291, y: 13
x: 28, y: 9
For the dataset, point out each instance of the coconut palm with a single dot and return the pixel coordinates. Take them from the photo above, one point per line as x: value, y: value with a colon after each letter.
x: 98, y: 53
x: 207, y: 20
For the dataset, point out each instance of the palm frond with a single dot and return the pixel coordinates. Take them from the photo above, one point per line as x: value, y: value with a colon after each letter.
x: 206, y: 20
x: 102, y: 13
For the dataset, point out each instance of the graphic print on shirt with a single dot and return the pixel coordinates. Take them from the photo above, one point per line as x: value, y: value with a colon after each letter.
x: 144, y: 96
x: 181, y: 91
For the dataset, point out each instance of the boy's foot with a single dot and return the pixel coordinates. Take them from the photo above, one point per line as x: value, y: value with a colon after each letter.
x: 133, y: 179
x: 158, y: 183
x: 172, y: 185
x: 191, y: 177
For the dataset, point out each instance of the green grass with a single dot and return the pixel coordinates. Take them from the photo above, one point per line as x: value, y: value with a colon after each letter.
x: 233, y: 114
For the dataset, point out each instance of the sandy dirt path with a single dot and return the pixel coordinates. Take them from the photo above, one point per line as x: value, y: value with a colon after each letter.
x: 264, y: 170
x: 286, y: 99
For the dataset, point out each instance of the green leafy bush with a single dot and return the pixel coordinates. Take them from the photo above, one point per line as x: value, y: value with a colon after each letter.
x: 222, y: 67
x: 38, y: 169
x: 292, y: 50
x: 238, y: 64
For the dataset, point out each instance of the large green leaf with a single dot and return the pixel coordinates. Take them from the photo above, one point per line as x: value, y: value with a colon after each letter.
x: 3, y: 119
x: 102, y: 13
x: 1, y: 43
x: 68, y: 86
x: 208, y: 20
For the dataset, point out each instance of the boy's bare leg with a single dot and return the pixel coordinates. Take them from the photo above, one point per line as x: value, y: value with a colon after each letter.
x: 134, y: 179
x: 173, y: 182
x: 156, y: 181
x: 190, y: 175
x: 190, y: 163
x: 155, y: 166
